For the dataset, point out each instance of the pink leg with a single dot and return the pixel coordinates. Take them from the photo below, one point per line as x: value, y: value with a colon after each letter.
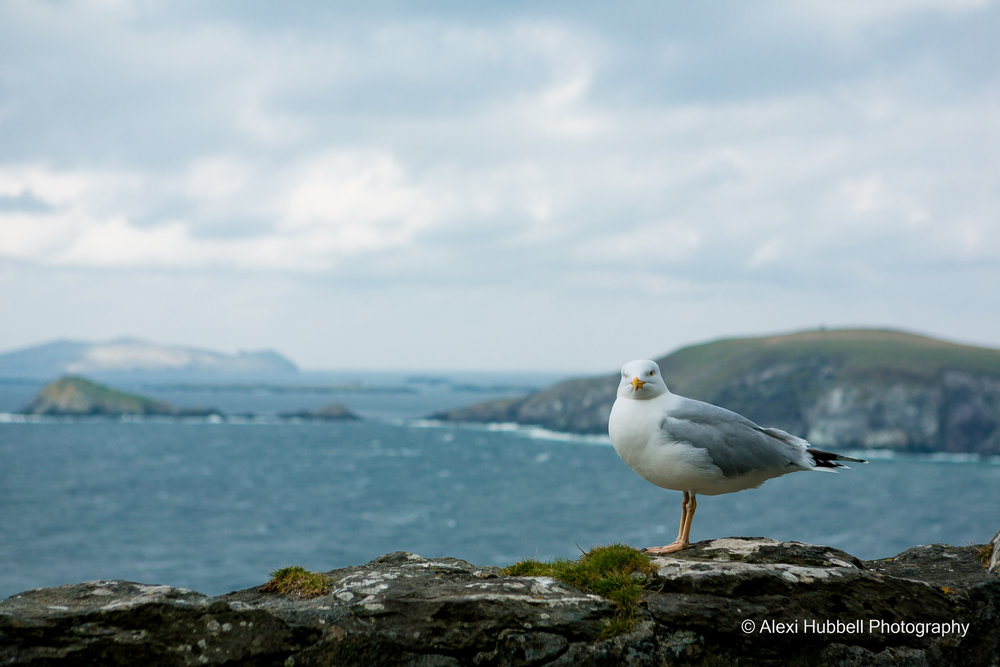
x: 688, y: 506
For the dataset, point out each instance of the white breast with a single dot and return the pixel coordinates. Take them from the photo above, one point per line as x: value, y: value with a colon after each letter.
x: 634, y: 428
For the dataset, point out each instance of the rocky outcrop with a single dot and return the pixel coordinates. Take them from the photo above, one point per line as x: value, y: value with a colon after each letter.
x: 580, y: 405
x: 78, y: 396
x: 839, y: 389
x: 727, y: 601
x: 331, y: 412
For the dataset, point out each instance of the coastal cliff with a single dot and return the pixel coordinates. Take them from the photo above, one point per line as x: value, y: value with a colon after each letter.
x: 745, y: 600
x: 837, y: 388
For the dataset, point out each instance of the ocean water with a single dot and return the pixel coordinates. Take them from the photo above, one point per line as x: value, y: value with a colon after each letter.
x: 216, y: 505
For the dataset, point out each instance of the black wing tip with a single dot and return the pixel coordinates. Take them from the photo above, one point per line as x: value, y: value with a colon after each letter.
x: 830, y: 459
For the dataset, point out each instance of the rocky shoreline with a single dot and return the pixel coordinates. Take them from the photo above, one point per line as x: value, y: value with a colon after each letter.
x: 751, y: 600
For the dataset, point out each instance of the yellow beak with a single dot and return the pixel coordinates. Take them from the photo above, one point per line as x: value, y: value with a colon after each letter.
x: 637, y: 384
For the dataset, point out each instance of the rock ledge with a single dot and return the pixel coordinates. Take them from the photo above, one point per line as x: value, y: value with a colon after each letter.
x: 754, y: 600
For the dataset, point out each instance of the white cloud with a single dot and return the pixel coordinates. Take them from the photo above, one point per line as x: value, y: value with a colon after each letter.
x: 326, y: 207
x: 114, y: 242
x: 31, y: 237
x: 531, y: 146
x: 766, y: 253
x: 849, y: 18
x: 647, y: 246
x: 52, y: 187
x: 870, y: 197
x: 558, y: 110
x: 220, y: 182
x: 354, y: 188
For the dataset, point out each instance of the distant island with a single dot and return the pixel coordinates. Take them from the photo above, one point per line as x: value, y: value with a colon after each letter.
x: 79, y: 396
x: 862, y: 388
x: 74, y: 396
x: 332, y: 412
x: 126, y: 356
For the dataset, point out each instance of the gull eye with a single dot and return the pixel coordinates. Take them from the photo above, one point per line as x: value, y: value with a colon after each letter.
x: 652, y: 373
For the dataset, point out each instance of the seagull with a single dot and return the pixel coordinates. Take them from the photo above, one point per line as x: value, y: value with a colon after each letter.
x: 695, y: 447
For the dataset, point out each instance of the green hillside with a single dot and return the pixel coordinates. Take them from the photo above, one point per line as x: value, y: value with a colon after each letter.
x: 705, y: 370
x: 78, y: 396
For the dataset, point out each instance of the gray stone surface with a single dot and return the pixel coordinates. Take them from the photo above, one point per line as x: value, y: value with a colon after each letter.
x: 402, y: 609
x: 995, y: 554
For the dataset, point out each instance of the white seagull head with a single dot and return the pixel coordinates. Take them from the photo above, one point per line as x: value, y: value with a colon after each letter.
x: 641, y: 380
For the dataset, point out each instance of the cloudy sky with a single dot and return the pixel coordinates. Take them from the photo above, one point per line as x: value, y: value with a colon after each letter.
x: 557, y: 186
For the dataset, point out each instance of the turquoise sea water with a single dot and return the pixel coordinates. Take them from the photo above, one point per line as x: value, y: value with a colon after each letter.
x: 215, y: 506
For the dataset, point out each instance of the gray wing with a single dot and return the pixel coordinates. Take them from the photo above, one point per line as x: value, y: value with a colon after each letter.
x: 734, y: 443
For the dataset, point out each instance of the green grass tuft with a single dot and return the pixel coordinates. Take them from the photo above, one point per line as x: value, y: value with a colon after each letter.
x: 616, y: 572
x: 298, y: 581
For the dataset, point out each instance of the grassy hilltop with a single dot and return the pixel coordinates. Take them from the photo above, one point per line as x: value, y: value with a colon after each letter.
x: 704, y: 370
